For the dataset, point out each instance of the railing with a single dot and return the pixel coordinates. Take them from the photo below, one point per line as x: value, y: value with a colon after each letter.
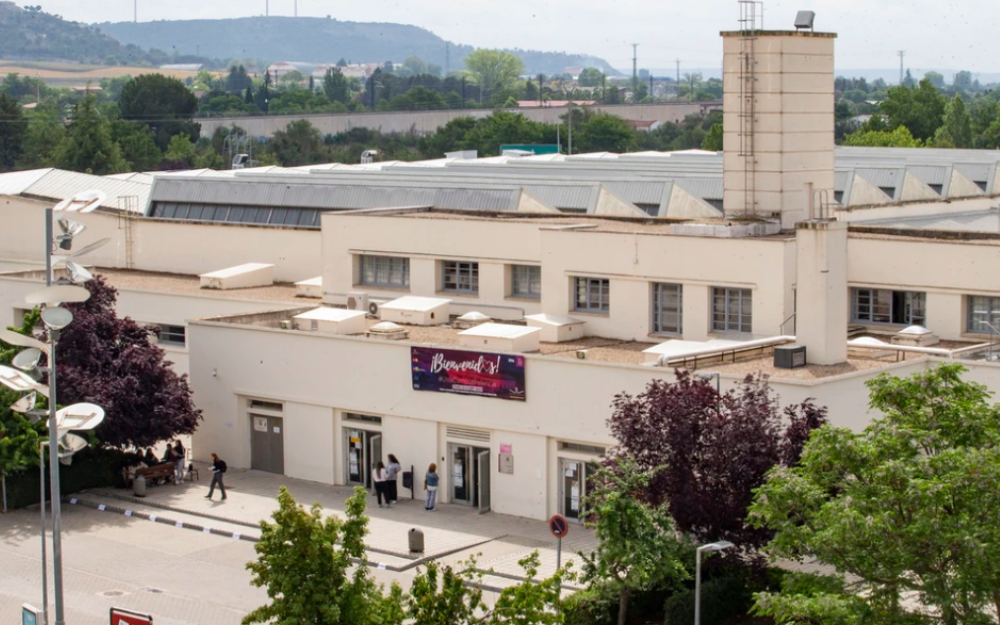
x: 989, y: 355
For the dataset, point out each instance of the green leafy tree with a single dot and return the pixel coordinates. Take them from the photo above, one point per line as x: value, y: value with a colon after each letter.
x: 88, y: 145
x: 19, y: 437
x: 713, y: 140
x: 590, y: 77
x: 935, y: 79
x: 898, y: 138
x: 637, y: 544
x: 605, y: 133
x: 137, y: 144
x: 298, y: 144
x: 335, y: 86
x: 44, y: 135
x: 13, y: 128
x: 162, y: 103
x: 905, y: 512
x: 305, y: 562
x: 533, y: 601
x: 963, y: 81
x: 956, y: 131
x: 494, y: 69
x: 920, y: 109
x: 415, y: 65
x: 180, y: 153
x: 440, y: 595
x: 502, y: 127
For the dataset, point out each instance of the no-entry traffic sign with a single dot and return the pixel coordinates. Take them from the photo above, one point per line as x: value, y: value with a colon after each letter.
x: 127, y: 617
x: 558, y: 526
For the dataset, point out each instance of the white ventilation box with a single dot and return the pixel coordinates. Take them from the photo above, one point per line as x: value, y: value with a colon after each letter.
x: 239, y: 277
x: 418, y: 311
x: 556, y: 328
x: 331, y: 321
x: 501, y: 337
x: 312, y: 287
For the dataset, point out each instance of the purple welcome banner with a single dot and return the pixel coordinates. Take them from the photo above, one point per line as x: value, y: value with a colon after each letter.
x: 468, y: 373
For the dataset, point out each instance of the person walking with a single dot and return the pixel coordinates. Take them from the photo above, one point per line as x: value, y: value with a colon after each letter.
x: 431, y: 486
x: 391, y: 475
x: 179, y: 454
x: 379, y: 479
x: 218, y: 470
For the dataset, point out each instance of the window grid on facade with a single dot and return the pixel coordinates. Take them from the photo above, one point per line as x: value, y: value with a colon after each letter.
x: 172, y: 335
x: 390, y: 271
x: 983, y: 310
x: 288, y: 217
x: 732, y: 310
x: 593, y: 295
x: 888, y: 306
x: 526, y: 281
x: 667, y: 308
x: 460, y: 276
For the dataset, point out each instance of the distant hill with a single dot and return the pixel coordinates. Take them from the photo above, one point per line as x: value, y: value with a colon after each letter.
x: 314, y: 40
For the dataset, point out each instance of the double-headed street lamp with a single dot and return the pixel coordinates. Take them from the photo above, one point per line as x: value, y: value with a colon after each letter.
x: 79, y: 417
x: 718, y: 546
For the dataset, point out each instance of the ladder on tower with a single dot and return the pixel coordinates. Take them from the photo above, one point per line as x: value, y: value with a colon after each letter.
x: 751, y: 22
x: 128, y: 208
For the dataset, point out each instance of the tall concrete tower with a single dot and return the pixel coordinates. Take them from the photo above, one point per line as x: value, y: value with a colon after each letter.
x: 778, y: 121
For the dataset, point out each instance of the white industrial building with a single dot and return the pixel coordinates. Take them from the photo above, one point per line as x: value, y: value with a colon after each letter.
x: 482, y: 313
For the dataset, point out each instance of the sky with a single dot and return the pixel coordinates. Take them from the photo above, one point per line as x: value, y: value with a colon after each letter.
x: 940, y: 35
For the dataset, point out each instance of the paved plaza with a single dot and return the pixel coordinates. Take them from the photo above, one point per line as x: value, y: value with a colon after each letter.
x: 182, y: 557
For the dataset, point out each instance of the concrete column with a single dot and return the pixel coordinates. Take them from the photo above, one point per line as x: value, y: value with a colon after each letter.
x: 822, y: 316
x: 697, y: 312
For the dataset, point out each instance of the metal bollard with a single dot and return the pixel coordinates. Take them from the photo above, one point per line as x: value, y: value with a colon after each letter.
x: 416, y: 541
x: 139, y: 486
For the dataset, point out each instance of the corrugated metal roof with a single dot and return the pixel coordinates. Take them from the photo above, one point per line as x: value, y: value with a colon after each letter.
x: 640, y: 192
x: 929, y: 174
x: 59, y: 184
x: 974, y: 221
x: 842, y: 179
x: 580, y: 197
x: 976, y: 172
x: 15, y: 182
x: 704, y: 188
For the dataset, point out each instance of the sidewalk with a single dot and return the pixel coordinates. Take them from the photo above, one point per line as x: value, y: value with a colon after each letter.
x: 451, y: 534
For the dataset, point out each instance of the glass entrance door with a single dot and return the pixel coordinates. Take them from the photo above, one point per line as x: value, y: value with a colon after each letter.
x: 574, y: 476
x: 362, y: 450
x: 461, y: 474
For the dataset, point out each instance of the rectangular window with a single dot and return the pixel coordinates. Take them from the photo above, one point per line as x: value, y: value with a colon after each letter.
x: 260, y: 404
x: 389, y: 271
x: 460, y: 276
x: 667, y: 308
x: 172, y: 335
x: 580, y: 447
x: 351, y: 416
x: 888, y: 306
x: 593, y: 295
x: 983, y: 310
x: 732, y: 310
x: 525, y: 281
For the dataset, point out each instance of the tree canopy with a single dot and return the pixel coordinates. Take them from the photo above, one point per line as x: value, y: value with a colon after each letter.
x: 920, y: 109
x: 495, y: 69
x: 13, y: 128
x: 87, y: 145
x: 907, y: 512
x: 162, y: 103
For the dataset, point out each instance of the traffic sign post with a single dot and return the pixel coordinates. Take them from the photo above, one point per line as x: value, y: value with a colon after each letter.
x: 121, y: 616
x: 559, y: 528
x: 30, y: 614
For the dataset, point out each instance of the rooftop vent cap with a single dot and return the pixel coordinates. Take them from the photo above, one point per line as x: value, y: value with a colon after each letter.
x: 471, y: 320
x: 804, y: 20
x: 388, y: 330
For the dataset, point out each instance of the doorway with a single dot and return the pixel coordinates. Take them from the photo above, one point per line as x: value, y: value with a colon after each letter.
x: 574, y: 481
x: 362, y: 451
x: 469, y: 470
x: 267, y: 443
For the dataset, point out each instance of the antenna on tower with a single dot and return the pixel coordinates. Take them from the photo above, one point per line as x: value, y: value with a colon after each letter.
x: 635, y: 75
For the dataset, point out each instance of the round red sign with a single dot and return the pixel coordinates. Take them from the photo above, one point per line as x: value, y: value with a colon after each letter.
x: 558, y: 526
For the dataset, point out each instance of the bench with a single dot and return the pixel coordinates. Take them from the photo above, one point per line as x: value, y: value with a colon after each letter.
x: 161, y: 471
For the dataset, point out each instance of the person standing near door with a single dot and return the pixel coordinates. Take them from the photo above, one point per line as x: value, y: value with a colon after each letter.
x: 379, y: 479
x: 179, y: 454
x: 391, y: 475
x: 431, y: 486
x: 218, y: 470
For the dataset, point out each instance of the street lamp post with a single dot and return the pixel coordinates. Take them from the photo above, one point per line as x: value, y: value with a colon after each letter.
x: 718, y: 380
x: 718, y: 546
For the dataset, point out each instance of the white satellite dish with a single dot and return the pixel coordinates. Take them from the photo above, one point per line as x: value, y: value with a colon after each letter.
x: 17, y: 380
x: 26, y: 403
x: 83, y: 202
x: 81, y: 416
x: 21, y: 340
x: 58, y: 294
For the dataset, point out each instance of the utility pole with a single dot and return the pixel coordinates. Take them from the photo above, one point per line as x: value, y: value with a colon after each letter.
x: 296, y: 8
x: 902, y: 53
x: 651, y: 87
x: 447, y: 58
x: 678, y: 61
x: 541, y: 77
x: 635, y: 75
x: 135, y: 11
x: 267, y: 8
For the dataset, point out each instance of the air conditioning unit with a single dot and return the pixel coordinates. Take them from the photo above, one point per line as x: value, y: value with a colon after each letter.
x: 373, y: 309
x: 790, y: 356
x: 285, y: 324
x: 357, y: 300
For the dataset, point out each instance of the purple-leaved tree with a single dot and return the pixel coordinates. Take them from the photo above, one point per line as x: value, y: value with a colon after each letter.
x: 709, y: 452
x: 111, y: 362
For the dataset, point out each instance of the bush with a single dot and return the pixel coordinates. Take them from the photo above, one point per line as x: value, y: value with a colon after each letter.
x: 90, y: 469
x: 723, y: 598
x: 597, y: 605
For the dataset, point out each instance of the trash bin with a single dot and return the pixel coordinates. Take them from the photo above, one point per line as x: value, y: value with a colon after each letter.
x: 139, y: 486
x: 416, y: 541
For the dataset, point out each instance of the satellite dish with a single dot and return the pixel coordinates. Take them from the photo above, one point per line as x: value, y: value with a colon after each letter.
x: 16, y: 380
x: 56, y: 318
x: 77, y: 273
x: 28, y: 359
x: 81, y: 416
x: 83, y: 202
x: 26, y: 403
x: 58, y: 294
x: 21, y: 340
x: 71, y: 443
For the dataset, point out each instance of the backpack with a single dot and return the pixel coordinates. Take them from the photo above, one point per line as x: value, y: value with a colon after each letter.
x: 222, y: 466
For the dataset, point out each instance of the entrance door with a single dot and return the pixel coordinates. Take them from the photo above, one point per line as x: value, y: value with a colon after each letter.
x: 574, y: 478
x: 362, y: 450
x: 483, y: 479
x: 267, y: 443
x: 461, y: 474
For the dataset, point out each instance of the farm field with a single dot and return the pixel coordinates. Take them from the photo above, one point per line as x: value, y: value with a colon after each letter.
x: 66, y: 74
